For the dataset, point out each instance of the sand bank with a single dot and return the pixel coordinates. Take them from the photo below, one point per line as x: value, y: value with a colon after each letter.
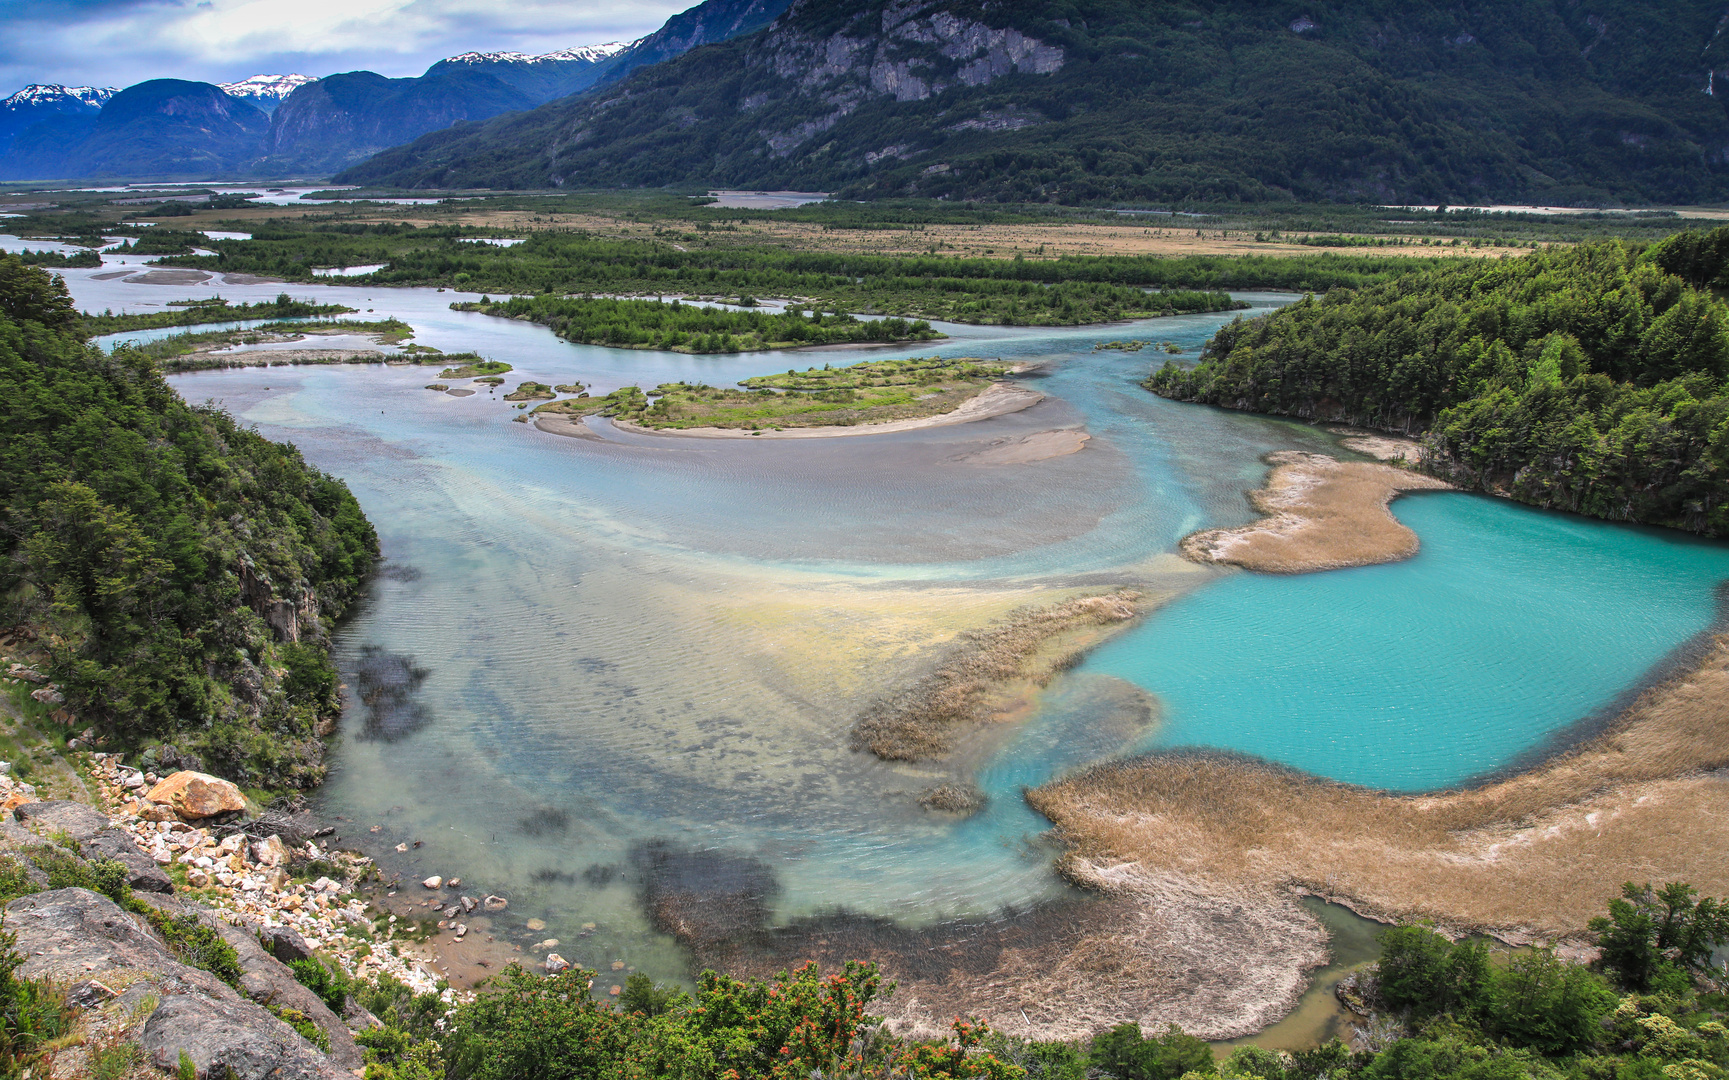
x: 1529, y: 858
x: 1379, y: 445
x: 997, y: 400
x: 1322, y: 514
x: 565, y: 424
x: 1039, y: 446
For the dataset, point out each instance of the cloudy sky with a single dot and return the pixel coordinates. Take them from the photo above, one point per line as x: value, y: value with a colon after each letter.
x: 120, y: 42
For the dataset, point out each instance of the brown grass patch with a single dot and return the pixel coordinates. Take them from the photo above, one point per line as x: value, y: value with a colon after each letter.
x: 1031, y: 646
x: 1527, y: 858
x: 1322, y: 514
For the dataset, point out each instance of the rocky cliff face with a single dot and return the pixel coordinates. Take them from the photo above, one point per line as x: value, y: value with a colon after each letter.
x: 910, y: 52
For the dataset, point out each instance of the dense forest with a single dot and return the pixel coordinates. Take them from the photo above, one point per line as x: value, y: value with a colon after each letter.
x: 183, y: 572
x: 1114, y: 102
x: 1589, y: 379
x: 694, y: 328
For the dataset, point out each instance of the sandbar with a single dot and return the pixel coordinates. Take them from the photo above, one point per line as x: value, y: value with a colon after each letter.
x: 1026, y: 449
x: 999, y: 400
x: 1321, y: 514
x: 1380, y: 445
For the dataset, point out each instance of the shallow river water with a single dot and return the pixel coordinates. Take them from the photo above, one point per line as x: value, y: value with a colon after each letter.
x: 584, y: 654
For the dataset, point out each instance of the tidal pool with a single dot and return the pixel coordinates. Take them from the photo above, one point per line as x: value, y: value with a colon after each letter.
x: 582, y: 655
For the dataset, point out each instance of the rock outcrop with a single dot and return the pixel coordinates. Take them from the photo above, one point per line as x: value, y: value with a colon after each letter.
x: 195, y: 795
x: 157, y: 997
x: 86, y: 941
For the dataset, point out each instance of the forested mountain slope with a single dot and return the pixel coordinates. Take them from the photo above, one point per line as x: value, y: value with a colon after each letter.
x: 1593, y: 379
x: 185, y: 571
x: 1085, y: 100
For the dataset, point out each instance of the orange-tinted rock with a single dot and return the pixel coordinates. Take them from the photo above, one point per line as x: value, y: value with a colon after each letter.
x: 195, y: 795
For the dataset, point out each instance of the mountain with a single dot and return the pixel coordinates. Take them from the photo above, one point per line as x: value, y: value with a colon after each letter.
x: 67, y: 110
x: 540, y: 78
x: 279, y: 125
x: 164, y: 127
x: 705, y: 24
x: 1111, y: 100
x: 340, y: 119
x: 265, y: 91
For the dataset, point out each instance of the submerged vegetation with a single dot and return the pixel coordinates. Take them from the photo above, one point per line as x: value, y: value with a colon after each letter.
x: 187, y: 571
x: 694, y: 328
x: 873, y: 392
x: 1590, y: 379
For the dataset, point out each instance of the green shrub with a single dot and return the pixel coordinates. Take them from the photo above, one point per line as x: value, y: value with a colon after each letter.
x: 1123, y: 1052
x: 304, y: 1026
x: 1649, y: 931
x: 332, y: 987
x: 32, y: 1012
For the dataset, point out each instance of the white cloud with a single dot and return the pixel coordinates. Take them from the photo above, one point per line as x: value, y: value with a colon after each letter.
x: 223, y: 40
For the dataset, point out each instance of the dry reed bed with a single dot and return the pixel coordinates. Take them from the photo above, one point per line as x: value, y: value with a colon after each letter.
x: 1527, y: 858
x: 968, y: 687
x: 1321, y: 514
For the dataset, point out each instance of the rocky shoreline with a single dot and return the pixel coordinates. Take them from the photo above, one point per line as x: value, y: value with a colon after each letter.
x: 192, y: 851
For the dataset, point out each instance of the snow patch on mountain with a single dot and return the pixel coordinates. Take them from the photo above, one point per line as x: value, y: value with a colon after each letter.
x: 52, y: 93
x: 273, y: 87
x: 591, y: 54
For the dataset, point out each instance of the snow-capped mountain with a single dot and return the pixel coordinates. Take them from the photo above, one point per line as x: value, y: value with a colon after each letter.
x: 588, y: 54
x: 266, y: 91
x: 55, y: 115
x: 49, y: 95
x: 540, y: 76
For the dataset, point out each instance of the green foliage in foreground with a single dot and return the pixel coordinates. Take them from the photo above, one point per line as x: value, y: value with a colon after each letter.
x: 1590, y: 379
x: 149, y: 538
x: 1447, y: 1011
x: 215, y: 310
x: 1069, y: 291
x: 56, y: 260
x: 692, y: 328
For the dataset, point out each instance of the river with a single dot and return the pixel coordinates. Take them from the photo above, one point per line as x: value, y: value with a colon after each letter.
x: 582, y: 652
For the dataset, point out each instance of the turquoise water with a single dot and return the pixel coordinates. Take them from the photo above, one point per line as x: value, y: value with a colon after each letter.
x: 604, y: 643
x: 1508, y: 626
